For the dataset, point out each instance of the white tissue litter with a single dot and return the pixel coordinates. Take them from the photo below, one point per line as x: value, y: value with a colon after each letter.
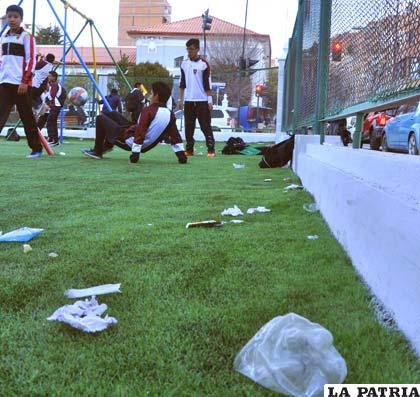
x: 236, y: 221
x: 26, y: 248
x: 314, y: 237
x: 84, y: 315
x: 238, y: 165
x: 267, y: 180
x: 293, y: 356
x: 258, y: 209
x: 293, y: 186
x: 93, y: 291
x: 235, y: 211
x: 62, y: 154
x: 53, y: 255
x: 313, y: 207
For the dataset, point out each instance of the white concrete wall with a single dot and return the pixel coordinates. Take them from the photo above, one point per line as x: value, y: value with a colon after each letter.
x: 371, y: 202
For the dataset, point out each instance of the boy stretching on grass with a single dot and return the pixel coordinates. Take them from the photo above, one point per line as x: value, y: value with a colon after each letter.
x: 155, y: 123
x: 17, y: 64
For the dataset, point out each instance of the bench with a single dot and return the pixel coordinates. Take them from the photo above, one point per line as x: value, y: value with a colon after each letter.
x: 71, y: 122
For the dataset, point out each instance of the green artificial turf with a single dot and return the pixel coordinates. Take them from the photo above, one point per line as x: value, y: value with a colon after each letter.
x: 191, y: 298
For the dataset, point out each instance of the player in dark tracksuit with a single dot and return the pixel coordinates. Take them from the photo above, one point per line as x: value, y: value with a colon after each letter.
x: 195, y: 97
x: 156, y: 122
x: 17, y: 64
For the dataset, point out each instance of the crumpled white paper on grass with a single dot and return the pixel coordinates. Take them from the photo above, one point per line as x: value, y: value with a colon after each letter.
x: 93, y: 291
x: 293, y: 186
x: 84, y: 315
x: 235, y: 165
x: 235, y: 211
x: 258, y: 209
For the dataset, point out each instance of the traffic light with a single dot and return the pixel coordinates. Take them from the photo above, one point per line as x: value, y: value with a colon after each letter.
x: 336, y: 50
x: 260, y: 90
x: 206, y: 20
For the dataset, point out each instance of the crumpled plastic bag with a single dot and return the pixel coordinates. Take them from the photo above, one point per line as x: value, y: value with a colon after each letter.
x: 84, y: 315
x: 258, y: 209
x: 313, y: 207
x: 23, y: 235
x: 235, y: 211
x: 293, y: 356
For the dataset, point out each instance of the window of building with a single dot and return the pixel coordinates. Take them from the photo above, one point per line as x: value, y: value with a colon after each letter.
x: 178, y: 61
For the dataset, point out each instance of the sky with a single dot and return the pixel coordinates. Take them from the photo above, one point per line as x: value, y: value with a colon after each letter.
x: 273, y: 17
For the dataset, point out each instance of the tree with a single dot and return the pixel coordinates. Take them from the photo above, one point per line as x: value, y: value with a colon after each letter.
x: 49, y: 36
x: 225, y: 52
x: 146, y: 73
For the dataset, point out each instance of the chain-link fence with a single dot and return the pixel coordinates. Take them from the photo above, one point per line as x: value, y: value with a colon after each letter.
x: 373, y: 56
x: 232, y: 89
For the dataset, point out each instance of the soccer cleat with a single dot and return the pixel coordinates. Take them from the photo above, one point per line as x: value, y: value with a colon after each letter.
x: 182, y: 158
x: 54, y: 143
x: 189, y: 153
x: 92, y: 154
x: 211, y: 153
x: 34, y: 154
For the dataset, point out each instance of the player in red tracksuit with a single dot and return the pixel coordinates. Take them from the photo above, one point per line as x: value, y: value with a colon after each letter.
x: 16, y: 68
x: 155, y: 123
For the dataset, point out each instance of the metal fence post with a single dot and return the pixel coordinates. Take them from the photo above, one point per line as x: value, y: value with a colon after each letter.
x: 322, y: 69
x: 357, y: 136
x: 298, y: 70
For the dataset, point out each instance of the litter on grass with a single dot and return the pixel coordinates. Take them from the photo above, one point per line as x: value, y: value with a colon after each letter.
x: 313, y: 207
x: 236, y: 221
x: 235, y: 211
x: 53, y: 255
x: 293, y: 356
x: 258, y: 209
x: 93, y: 291
x: 211, y: 223
x: 62, y: 154
x: 293, y: 186
x: 238, y: 165
x: 150, y: 224
x: 314, y: 237
x: 267, y: 180
x: 84, y: 315
x: 22, y: 235
x: 26, y: 248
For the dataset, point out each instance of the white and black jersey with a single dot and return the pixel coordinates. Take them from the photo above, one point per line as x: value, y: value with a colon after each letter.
x: 18, y: 57
x: 195, y: 79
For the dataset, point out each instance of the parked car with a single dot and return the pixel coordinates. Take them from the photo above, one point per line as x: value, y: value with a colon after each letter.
x: 373, y: 127
x: 220, y: 118
x: 402, y: 133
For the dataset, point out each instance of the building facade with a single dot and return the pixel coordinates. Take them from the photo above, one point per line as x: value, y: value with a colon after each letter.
x: 140, y: 14
x: 165, y: 44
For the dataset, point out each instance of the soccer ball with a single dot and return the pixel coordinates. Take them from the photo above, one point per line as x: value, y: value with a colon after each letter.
x: 78, y: 96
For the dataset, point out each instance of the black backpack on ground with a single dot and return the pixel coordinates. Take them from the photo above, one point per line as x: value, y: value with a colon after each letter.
x: 234, y: 146
x: 12, y: 135
x: 278, y: 155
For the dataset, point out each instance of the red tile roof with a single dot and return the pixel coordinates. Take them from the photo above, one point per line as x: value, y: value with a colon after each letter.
x: 102, y: 56
x: 192, y: 26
